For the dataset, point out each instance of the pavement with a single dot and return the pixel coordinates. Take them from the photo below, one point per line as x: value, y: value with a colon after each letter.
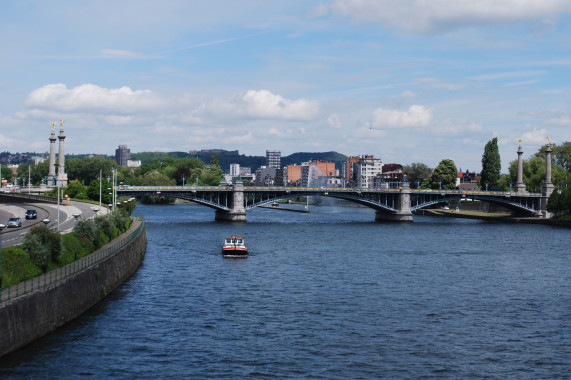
x: 61, y: 217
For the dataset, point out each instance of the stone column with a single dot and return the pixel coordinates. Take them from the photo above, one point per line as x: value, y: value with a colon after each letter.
x: 403, y: 213
x: 62, y: 177
x: 519, y: 185
x: 52, y: 167
x: 547, y: 188
x: 237, y: 211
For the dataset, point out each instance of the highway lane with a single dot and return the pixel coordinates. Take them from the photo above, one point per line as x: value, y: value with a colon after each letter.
x: 15, y: 236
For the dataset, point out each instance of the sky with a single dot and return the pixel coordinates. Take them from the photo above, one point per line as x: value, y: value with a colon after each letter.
x: 407, y: 81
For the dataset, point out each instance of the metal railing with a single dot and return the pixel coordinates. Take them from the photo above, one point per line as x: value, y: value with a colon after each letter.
x: 54, y: 276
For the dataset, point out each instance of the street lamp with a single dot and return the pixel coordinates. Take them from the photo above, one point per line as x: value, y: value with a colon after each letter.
x: 45, y: 222
x: 183, y: 179
x: 76, y: 215
x: 2, y: 226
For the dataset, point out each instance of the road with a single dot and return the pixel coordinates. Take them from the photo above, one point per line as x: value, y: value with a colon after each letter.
x: 15, y: 236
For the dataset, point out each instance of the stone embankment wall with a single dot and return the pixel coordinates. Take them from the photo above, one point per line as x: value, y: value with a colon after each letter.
x: 28, y: 317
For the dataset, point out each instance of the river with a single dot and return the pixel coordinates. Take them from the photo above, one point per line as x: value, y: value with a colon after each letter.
x: 330, y: 294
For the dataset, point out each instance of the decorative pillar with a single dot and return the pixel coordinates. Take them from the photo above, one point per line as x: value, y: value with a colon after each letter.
x: 519, y: 185
x: 52, y: 167
x: 62, y: 177
x: 547, y: 188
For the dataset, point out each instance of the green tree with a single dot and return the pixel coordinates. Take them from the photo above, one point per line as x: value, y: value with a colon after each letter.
x: 491, y: 165
x: 6, y: 173
x: 93, y: 191
x: 417, y: 172
x: 534, y: 173
x: 210, y: 175
x: 445, y: 175
x: 214, y: 160
x: 76, y: 190
x: 155, y: 178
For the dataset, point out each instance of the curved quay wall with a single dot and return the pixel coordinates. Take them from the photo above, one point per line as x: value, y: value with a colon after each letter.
x: 36, y: 307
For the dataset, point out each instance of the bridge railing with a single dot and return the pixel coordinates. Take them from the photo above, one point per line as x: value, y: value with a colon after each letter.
x: 323, y: 190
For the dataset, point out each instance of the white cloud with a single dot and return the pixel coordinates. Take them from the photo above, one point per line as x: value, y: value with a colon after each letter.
x: 415, y: 116
x: 334, y: 121
x: 441, y: 15
x: 263, y: 104
x: 537, y: 136
x: 92, y: 98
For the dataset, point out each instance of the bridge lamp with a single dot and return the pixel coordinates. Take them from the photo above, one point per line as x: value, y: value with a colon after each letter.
x: 45, y: 222
x: 183, y: 179
x: 76, y: 216
x: 486, y: 186
x: 2, y: 226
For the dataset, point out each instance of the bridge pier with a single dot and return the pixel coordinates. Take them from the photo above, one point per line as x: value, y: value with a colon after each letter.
x: 403, y: 214
x: 237, y: 212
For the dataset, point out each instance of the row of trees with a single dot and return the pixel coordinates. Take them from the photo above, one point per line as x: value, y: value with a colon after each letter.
x: 45, y: 249
x: 84, y: 175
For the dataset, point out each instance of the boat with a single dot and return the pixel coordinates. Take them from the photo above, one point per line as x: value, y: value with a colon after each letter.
x: 234, y: 247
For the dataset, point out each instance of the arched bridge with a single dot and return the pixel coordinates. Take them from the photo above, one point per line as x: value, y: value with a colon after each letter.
x: 232, y: 201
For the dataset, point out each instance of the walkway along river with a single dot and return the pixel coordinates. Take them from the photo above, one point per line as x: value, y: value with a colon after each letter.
x: 330, y: 294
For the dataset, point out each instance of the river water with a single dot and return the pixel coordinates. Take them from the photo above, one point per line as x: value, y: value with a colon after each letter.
x: 331, y: 294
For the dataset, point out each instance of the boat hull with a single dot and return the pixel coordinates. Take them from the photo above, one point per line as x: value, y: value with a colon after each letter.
x: 232, y: 252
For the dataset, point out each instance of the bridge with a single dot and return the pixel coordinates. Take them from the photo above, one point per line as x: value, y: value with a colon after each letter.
x: 231, y: 202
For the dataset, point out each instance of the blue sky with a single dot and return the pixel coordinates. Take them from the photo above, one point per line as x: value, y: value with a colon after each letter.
x: 408, y: 80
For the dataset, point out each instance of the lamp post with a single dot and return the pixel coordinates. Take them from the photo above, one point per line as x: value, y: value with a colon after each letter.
x: 183, y: 179
x: 2, y: 226
x: 99, y: 190
x: 76, y: 215
x: 110, y: 227
x: 45, y: 222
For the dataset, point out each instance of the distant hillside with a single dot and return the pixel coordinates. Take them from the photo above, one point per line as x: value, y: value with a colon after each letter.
x: 253, y: 162
x: 298, y: 158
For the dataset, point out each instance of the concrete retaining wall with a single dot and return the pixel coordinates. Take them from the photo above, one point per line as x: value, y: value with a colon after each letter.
x: 33, y: 315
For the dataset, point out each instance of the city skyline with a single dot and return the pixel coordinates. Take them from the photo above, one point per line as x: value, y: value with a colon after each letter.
x: 405, y: 81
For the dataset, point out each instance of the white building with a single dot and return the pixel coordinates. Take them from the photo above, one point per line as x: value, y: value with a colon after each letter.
x: 367, y: 168
x: 234, y: 170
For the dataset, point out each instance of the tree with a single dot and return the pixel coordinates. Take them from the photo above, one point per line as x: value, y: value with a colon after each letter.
x: 491, y: 165
x: 76, y: 190
x: 417, y: 172
x: 444, y: 175
x: 214, y: 160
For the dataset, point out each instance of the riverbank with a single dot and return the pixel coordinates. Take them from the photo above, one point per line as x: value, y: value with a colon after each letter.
x: 494, y: 217
x: 36, y: 307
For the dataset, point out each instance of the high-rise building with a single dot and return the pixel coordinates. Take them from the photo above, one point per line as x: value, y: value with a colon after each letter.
x: 234, y: 170
x: 273, y: 159
x: 122, y: 155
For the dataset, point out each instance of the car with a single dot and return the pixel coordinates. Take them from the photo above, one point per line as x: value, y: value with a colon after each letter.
x: 31, y: 214
x: 14, y: 222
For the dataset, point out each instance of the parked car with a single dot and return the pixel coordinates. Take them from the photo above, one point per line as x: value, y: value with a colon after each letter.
x: 14, y: 222
x: 31, y: 214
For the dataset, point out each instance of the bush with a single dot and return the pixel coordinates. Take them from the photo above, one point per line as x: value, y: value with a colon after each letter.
x: 17, y: 266
x: 35, y: 244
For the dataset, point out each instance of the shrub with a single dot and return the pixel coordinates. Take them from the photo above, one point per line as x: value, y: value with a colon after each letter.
x: 17, y: 266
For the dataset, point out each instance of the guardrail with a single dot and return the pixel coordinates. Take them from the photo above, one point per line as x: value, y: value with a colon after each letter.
x: 321, y: 189
x: 71, y: 269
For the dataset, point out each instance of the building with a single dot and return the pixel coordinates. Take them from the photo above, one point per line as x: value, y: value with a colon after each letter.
x: 234, y: 170
x: 122, y: 155
x: 273, y: 159
x: 293, y: 175
x: 133, y: 163
x: 245, y: 171
x: 361, y: 171
x: 265, y: 176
